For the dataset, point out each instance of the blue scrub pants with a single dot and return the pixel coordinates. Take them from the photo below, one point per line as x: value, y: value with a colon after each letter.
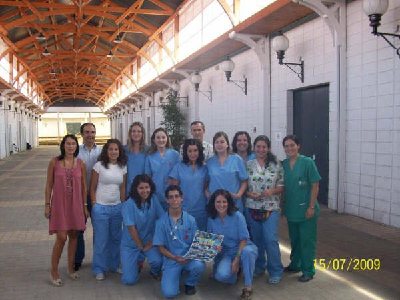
x: 172, y: 272
x: 223, y: 266
x: 107, y: 230
x: 80, y: 247
x: 130, y: 259
x: 265, y: 236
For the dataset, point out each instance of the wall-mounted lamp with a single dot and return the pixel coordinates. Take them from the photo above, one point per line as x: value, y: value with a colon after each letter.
x: 196, y: 78
x: 174, y: 87
x: 228, y: 66
x: 375, y: 9
x: 10, y: 104
x: 280, y: 44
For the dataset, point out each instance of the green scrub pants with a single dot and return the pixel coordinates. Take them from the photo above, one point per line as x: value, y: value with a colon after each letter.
x: 303, y: 240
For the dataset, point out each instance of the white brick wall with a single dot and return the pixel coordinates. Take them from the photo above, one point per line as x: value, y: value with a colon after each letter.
x: 372, y: 89
x: 372, y: 166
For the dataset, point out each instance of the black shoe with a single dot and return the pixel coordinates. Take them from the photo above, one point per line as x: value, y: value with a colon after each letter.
x: 305, y: 278
x: 190, y: 290
x: 77, y: 266
x: 288, y: 269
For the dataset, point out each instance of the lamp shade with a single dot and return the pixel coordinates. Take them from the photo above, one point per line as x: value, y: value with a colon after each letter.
x: 227, y: 65
x: 375, y: 7
x: 195, y: 78
x: 280, y: 43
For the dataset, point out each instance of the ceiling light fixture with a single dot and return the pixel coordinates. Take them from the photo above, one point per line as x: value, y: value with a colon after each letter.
x: 40, y: 37
x: 46, y: 52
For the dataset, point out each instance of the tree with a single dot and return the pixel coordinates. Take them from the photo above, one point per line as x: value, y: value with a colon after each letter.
x: 174, y: 120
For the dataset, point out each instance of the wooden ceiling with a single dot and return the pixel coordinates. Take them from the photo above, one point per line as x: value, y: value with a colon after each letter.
x: 79, y: 35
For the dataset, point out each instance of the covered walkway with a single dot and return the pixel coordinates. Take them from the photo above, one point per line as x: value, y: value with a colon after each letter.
x: 25, y: 248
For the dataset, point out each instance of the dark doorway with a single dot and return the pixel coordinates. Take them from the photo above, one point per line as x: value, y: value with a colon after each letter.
x: 311, y: 126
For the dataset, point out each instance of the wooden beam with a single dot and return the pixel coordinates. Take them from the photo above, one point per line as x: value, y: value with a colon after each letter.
x: 34, y: 10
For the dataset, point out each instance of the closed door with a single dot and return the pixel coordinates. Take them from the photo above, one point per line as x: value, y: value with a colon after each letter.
x: 311, y: 126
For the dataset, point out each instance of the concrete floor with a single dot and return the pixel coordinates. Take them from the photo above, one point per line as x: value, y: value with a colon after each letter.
x: 25, y: 249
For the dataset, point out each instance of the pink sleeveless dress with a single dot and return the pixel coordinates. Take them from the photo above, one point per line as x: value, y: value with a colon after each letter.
x: 67, y: 204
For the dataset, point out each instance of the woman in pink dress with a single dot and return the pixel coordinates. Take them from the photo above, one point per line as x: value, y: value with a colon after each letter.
x: 64, y: 204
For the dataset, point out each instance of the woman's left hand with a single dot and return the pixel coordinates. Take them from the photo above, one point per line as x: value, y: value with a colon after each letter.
x: 310, y: 213
x: 235, y: 264
x: 86, y: 212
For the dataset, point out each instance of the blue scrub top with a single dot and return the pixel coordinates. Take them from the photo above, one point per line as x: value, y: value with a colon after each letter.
x: 158, y: 167
x: 192, y: 183
x: 144, y: 219
x: 228, y: 176
x: 135, y: 166
x: 175, y: 237
x: 251, y: 156
x: 234, y: 230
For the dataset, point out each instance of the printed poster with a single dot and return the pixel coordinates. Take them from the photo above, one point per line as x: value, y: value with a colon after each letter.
x: 205, y: 246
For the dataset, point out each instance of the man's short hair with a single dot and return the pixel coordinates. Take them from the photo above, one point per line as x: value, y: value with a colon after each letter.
x: 84, y: 125
x: 198, y: 122
x: 173, y: 187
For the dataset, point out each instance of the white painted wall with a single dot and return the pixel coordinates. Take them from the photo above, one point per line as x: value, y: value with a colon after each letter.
x: 372, y: 138
x: 373, y: 135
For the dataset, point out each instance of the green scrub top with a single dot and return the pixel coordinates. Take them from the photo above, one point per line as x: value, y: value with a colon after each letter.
x: 298, y: 182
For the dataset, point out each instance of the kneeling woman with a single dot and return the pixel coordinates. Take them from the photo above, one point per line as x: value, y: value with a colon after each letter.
x: 237, y: 249
x: 139, y: 214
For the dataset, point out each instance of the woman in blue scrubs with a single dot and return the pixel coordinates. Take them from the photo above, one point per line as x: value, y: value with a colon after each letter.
x: 226, y: 171
x: 191, y: 174
x: 237, y: 249
x: 139, y: 214
x: 160, y: 161
x: 135, y: 151
x: 241, y: 145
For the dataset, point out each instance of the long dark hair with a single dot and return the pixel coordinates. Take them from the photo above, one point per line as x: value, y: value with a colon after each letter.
x: 193, y: 142
x: 212, y: 212
x: 134, y: 194
x: 103, y: 158
x: 153, y: 146
x: 271, y: 158
x: 62, y: 146
x: 235, y: 138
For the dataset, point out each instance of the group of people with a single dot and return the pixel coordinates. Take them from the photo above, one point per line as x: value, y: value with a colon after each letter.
x: 146, y: 203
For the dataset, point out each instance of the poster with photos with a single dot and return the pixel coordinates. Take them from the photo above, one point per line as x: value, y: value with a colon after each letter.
x: 205, y: 246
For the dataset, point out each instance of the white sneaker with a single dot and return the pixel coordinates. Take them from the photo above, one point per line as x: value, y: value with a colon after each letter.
x: 100, y: 276
x: 119, y: 270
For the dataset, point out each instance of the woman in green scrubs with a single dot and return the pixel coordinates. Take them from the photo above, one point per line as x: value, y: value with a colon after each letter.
x: 301, y: 208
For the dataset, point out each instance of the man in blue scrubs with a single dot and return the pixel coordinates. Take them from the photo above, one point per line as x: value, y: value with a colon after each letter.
x: 174, y: 234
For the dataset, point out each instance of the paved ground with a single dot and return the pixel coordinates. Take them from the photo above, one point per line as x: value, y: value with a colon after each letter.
x: 25, y: 248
